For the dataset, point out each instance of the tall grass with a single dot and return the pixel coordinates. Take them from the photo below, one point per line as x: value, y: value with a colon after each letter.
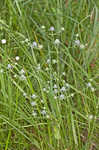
x: 49, y: 75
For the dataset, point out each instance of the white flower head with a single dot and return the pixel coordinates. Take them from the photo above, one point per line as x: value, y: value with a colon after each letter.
x: 89, y: 84
x: 24, y: 94
x: 48, y: 61
x: 9, y: 66
x: 77, y: 42
x: 55, y: 91
x: 1, y: 70
x: 43, y: 112
x: 40, y: 47
x: 22, y: 71
x: 55, y: 86
x: 55, y: 97
x: 62, y: 96
x: 33, y: 103
x: 57, y: 42
x: 52, y: 28
x: 63, y: 89
x: 3, y: 41
x: 92, y: 89
x: 26, y: 40
x: 43, y: 27
x: 38, y: 67
x: 82, y: 46
x: 34, y: 45
x: 17, y: 58
x: 90, y: 117
x: 77, y: 35
x: 34, y: 113
x: 33, y: 96
x: 62, y: 29
x: 54, y: 61
x: 23, y: 77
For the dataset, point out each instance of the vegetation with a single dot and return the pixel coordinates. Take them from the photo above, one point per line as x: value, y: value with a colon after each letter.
x: 49, y: 75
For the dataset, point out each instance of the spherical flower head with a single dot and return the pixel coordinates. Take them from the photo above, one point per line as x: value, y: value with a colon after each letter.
x: 22, y: 71
x: 43, y: 112
x: 33, y: 103
x: 24, y: 94
x: 54, y: 61
x: 34, y: 44
x: 82, y: 46
x: 89, y: 84
x: 33, y: 96
x: 23, y: 77
x: 62, y: 29
x: 63, y: 89
x: 1, y: 71
x: 3, y: 41
x: 57, y: 42
x: 34, y: 113
x: 38, y: 67
x: 62, y: 96
x: 77, y: 42
x: 43, y: 27
x: 40, y: 47
x: 9, y: 66
x: 52, y: 28
x: 17, y: 58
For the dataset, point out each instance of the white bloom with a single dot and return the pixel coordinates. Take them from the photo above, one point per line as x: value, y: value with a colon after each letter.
x: 55, y: 97
x: 26, y: 40
x: 52, y: 28
x: 48, y: 61
x: 43, y: 27
x: 24, y: 94
x: 92, y: 89
x: 38, y: 67
x: 40, y: 47
x: 22, y: 71
x: 63, y: 89
x: 3, y: 41
x: 9, y: 66
x: 23, y: 77
x: 82, y: 46
x: 63, y: 74
x: 62, y: 96
x: 77, y: 35
x: 47, y: 116
x: 33, y: 103
x: 77, y: 42
x: 17, y: 58
x: 33, y: 96
x: 54, y: 61
x: 43, y: 112
x: 44, y: 89
x: 89, y: 84
x: 90, y: 117
x: 47, y: 69
x: 67, y: 85
x: 34, y: 44
x: 1, y: 71
x: 34, y: 113
x: 55, y: 91
x: 72, y: 94
x: 55, y: 86
x: 42, y: 101
x: 57, y: 42
x: 62, y: 29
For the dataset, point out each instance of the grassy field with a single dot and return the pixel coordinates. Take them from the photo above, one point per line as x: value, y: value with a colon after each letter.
x: 49, y: 75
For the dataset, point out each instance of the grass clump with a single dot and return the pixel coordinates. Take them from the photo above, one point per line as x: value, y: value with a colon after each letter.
x: 49, y: 75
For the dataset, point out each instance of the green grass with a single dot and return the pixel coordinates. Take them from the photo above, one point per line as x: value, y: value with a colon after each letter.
x: 49, y: 96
